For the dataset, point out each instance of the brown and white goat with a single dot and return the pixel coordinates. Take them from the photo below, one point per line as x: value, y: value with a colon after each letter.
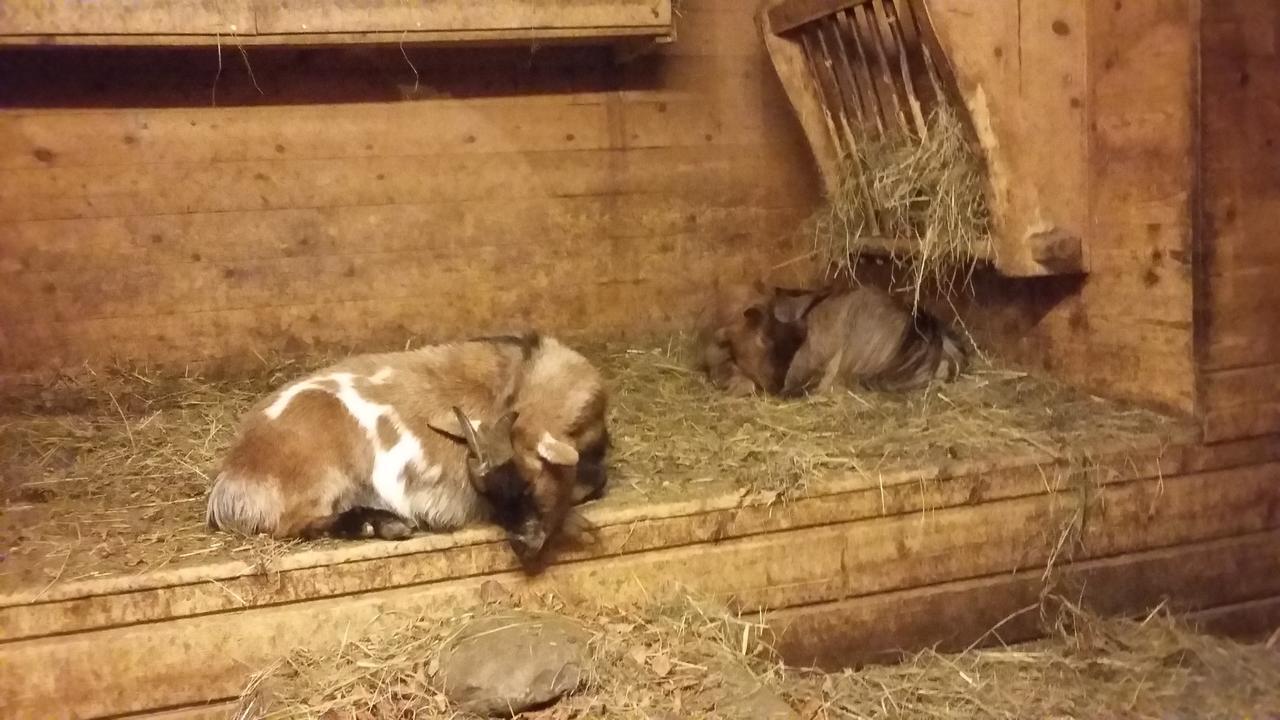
x: 508, y: 428
x: 792, y: 342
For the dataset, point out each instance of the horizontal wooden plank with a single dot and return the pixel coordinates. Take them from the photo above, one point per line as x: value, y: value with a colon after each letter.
x: 627, y: 522
x: 454, y: 263
x: 619, y: 305
x: 1001, y: 609
x: 1253, y: 621
x: 204, y: 711
x: 725, y: 175
x: 35, y: 252
x: 590, y: 121
x: 49, y: 17
x: 1243, y: 312
x: 488, y: 38
x: 344, y: 16
x: 247, y: 18
x: 1258, y: 419
x: 1241, y: 386
x: 196, y: 659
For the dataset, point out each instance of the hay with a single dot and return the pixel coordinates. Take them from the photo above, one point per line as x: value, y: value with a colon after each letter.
x: 691, y: 659
x: 107, y: 471
x: 670, y: 425
x: 926, y: 194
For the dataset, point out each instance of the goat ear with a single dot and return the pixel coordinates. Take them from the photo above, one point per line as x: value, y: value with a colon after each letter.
x: 556, y: 451
x: 791, y: 308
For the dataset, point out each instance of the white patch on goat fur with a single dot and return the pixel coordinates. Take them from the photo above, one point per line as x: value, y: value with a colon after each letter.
x: 380, y: 377
x: 389, y: 464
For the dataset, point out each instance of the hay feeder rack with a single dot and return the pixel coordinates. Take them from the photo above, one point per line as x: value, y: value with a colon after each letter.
x: 858, y: 71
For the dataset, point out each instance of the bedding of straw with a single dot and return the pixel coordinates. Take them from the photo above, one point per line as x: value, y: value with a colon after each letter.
x: 926, y: 194
x: 106, y: 472
x: 692, y: 660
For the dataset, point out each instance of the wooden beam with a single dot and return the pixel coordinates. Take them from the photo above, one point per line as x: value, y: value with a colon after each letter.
x: 208, y: 657
x: 237, y: 22
x: 567, y: 36
x: 791, y: 14
x: 955, y: 616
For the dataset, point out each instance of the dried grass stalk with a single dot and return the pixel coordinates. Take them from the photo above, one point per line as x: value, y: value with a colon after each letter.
x: 107, y: 471
x: 927, y: 194
x: 692, y: 659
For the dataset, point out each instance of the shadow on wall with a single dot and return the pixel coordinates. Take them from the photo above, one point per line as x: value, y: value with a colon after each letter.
x: 1002, y: 313
x: 99, y: 77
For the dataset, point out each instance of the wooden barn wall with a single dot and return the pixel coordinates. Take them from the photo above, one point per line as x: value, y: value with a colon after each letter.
x: 1125, y: 329
x: 325, y: 201
x: 1240, y: 345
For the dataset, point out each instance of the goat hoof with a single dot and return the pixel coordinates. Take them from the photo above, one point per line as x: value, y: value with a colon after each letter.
x: 392, y: 529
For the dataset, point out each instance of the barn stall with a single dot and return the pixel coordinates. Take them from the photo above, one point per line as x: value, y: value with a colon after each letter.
x: 201, y: 202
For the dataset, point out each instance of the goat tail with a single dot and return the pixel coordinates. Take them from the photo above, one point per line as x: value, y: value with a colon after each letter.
x: 243, y: 504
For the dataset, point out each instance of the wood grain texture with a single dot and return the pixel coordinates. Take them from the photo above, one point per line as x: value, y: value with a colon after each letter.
x: 713, y: 512
x: 1240, y: 60
x: 149, y: 22
x: 1004, y: 608
x: 1126, y: 328
x: 340, y: 206
x: 1023, y: 73
x: 152, y: 662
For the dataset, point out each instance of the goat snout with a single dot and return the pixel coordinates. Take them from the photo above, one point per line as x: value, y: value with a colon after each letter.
x: 528, y: 539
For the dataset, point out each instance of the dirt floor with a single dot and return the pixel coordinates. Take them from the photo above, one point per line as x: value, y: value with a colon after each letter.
x: 694, y: 660
x: 105, y: 473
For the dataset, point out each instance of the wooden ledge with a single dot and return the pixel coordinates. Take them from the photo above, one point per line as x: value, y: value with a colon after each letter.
x: 334, y: 22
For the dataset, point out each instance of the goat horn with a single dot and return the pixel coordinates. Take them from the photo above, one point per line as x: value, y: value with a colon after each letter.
x: 469, y: 433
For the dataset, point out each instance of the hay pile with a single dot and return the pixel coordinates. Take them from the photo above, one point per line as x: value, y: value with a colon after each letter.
x: 106, y: 473
x: 670, y: 425
x: 691, y: 660
x: 927, y: 195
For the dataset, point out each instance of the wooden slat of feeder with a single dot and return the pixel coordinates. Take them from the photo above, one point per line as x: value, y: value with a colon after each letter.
x: 893, y: 25
x: 820, y: 66
x: 860, y: 85
x: 790, y: 15
x: 925, y: 85
x: 890, y: 104
x: 829, y: 36
x: 791, y: 65
x: 871, y: 92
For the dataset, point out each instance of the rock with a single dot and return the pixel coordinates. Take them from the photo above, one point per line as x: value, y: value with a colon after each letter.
x: 502, y: 665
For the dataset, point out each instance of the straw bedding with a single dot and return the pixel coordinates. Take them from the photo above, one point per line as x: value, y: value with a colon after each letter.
x: 693, y: 660
x: 105, y: 473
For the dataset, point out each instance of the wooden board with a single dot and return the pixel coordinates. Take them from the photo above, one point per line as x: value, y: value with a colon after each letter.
x: 1240, y: 353
x: 712, y: 512
x: 846, y: 560
x: 1023, y: 74
x: 1004, y: 608
x: 1126, y: 330
x: 162, y: 22
x: 553, y: 188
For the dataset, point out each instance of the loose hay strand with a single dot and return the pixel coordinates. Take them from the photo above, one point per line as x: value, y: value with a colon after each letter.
x: 925, y: 194
x: 691, y: 658
x: 107, y: 472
